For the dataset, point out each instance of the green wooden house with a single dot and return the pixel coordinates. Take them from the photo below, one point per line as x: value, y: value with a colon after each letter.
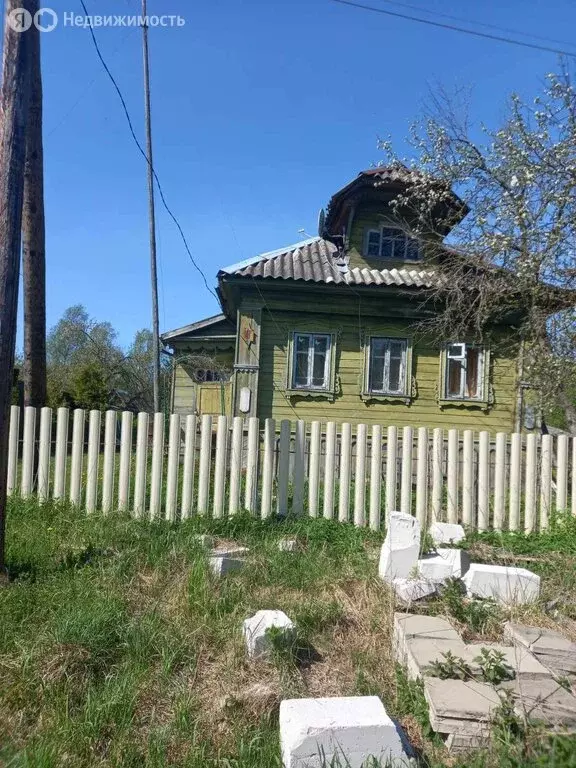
x: 325, y: 330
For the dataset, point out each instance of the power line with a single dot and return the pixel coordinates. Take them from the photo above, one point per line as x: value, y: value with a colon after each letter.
x: 454, y: 28
x: 144, y: 155
x: 479, y: 23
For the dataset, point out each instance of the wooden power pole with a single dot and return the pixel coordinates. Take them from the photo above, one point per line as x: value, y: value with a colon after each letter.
x: 151, y: 215
x: 33, y: 236
x: 14, y: 99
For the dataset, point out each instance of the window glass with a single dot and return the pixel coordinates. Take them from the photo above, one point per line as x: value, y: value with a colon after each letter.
x: 464, y: 371
x: 373, y: 245
x: 311, y: 366
x: 392, y: 243
x: 387, y: 365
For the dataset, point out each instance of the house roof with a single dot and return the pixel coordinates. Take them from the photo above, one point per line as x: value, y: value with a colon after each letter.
x: 201, y: 325
x: 318, y: 261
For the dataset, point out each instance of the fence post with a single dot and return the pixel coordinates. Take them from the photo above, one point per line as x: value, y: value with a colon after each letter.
x: 13, y: 449
x: 468, y: 478
x: 360, y: 477
x: 500, y: 481
x: 61, y: 453
x: 92, y: 460
x: 299, y: 463
x: 235, y: 464
x: 329, y: 470
x: 283, y: 467
x: 437, y: 474
x: 108, y: 463
x: 141, y: 465
x: 530, y: 491
x: 44, y: 454
x: 545, y: 480
x: 375, y: 477
x: 484, y: 481
x: 406, y: 484
x: 251, y: 494
x: 515, y: 481
x: 562, y: 473
x: 345, y: 466
x: 314, y: 468
x: 77, y: 456
x: 268, y: 468
x: 391, y: 471
x: 157, y: 466
x: 220, y: 465
x: 452, y: 475
x: 28, y: 451
x: 205, y: 463
x: 125, y: 461
x: 422, y: 478
x: 573, y: 485
x: 173, y: 466
x: 189, y: 466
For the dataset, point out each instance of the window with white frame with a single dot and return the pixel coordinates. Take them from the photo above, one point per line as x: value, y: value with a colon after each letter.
x: 391, y: 243
x: 464, y: 372
x: 387, y: 372
x: 311, y: 362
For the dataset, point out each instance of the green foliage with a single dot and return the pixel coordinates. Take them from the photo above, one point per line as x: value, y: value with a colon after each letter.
x: 478, y: 615
x: 89, y: 387
x: 493, y: 667
x: 452, y: 668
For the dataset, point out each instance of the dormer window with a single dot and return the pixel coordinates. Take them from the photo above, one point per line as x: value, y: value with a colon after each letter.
x: 391, y: 243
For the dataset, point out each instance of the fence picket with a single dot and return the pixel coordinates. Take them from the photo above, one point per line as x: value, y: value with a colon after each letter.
x: 141, y: 465
x: 562, y: 473
x: 251, y: 491
x: 235, y: 465
x: 515, y: 481
x: 109, y: 461
x: 77, y: 456
x: 268, y: 467
x: 499, y: 481
x: 61, y: 453
x: 437, y: 474
x: 345, y: 469
x: 406, y: 481
x: 44, y: 454
x: 573, y: 484
x: 283, y: 467
x: 468, y: 478
x: 360, y: 477
x: 375, y: 477
x: 391, y: 471
x: 329, y: 470
x: 220, y: 465
x: 27, y: 484
x: 205, y: 463
x: 125, y: 461
x: 92, y: 461
x: 545, y: 480
x: 173, y: 467
x: 189, y: 466
x: 452, y: 483
x: 299, y: 464
x: 157, y: 466
x: 314, y: 468
x: 12, y: 479
x: 530, y: 492
x: 483, y: 481
x: 422, y: 477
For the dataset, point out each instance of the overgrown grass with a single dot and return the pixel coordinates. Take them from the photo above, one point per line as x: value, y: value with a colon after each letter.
x: 118, y: 647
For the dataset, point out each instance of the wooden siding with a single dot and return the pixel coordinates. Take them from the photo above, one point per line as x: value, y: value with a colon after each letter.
x: 348, y: 405
x: 190, y: 397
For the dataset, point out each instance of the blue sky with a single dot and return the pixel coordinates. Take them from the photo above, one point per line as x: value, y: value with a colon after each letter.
x: 261, y: 110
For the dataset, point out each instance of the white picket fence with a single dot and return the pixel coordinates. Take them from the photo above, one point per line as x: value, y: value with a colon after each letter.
x: 354, y: 474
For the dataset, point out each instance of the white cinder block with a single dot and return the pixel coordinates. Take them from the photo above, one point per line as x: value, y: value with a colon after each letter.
x: 443, y: 564
x: 507, y: 585
x: 408, y: 590
x: 349, y: 731
x: 288, y: 545
x: 256, y: 628
x: 399, y: 553
x: 447, y: 533
x: 224, y: 564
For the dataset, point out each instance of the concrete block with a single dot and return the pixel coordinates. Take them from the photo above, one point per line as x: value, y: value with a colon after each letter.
x: 409, y: 590
x: 348, y: 731
x: 462, y: 708
x: 460, y: 743
x: 447, y: 533
x: 288, y: 545
x: 420, y: 653
x: 407, y: 626
x: 401, y: 548
x: 544, y: 701
x: 222, y: 565
x: 513, y: 586
x: 523, y: 663
x: 229, y: 552
x: 444, y: 564
x: 552, y: 649
x: 255, y: 630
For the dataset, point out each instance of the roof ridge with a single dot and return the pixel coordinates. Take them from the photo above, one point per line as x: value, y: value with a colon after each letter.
x: 269, y: 255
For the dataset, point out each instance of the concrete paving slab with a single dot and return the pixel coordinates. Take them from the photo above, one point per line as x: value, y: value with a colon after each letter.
x: 545, y: 701
x: 420, y: 653
x: 460, y: 700
x: 520, y: 659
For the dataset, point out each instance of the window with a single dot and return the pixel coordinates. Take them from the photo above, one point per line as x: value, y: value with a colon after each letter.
x: 391, y: 243
x: 464, y: 372
x: 311, y: 364
x: 387, y: 366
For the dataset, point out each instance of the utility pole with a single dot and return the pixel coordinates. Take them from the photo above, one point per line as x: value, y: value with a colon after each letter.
x: 151, y: 215
x: 33, y: 235
x: 14, y: 98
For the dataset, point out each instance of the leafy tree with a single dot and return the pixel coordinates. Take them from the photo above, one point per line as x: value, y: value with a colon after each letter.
x: 515, y: 250
x: 90, y: 387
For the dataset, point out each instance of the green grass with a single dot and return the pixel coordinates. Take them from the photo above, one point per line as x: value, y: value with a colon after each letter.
x: 118, y: 648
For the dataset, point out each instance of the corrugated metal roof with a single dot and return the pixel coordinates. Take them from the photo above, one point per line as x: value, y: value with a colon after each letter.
x: 317, y: 261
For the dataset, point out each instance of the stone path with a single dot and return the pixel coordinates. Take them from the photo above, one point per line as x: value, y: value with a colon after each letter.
x: 543, y: 663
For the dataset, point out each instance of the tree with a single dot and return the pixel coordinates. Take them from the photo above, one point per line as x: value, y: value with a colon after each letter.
x: 513, y: 255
